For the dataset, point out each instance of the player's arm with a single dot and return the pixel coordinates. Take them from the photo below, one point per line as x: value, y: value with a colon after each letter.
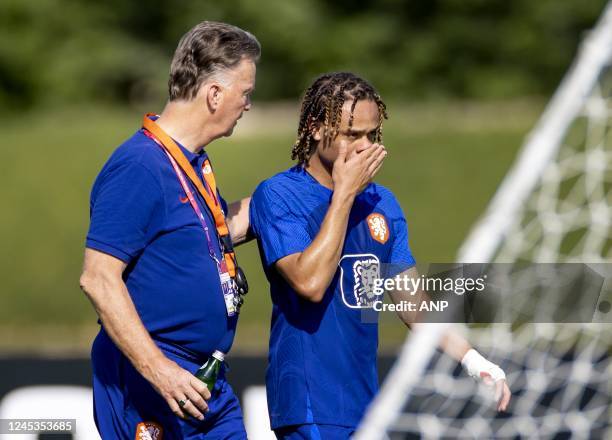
x: 454, y: 344
x: 310, y: 272
x: 102, y: 282
x: 238, y: 221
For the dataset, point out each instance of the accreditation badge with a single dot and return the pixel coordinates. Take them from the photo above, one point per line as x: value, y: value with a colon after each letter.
x: 228, y: 288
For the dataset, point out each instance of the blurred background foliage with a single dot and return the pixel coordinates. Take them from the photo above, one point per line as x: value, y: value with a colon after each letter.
x: 65, y: 51
x: 464, y: 81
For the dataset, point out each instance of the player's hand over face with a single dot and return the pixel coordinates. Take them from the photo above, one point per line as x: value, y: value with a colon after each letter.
x: 175, y: 385
x: 352, y: 172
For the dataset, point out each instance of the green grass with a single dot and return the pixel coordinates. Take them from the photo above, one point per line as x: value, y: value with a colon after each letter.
x: 445, y: 162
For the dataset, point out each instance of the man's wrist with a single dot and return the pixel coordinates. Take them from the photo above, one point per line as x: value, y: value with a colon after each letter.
x: 343, y: 196
x: 475, y: 365
x: 149, y: 365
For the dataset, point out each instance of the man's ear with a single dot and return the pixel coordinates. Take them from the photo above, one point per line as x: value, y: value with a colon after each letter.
x: 317, y: 131
x: 214, y: 95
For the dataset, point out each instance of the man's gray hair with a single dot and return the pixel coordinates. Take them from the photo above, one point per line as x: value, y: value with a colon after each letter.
x: 205, y: 51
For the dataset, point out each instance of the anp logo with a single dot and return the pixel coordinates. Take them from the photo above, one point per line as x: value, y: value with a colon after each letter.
x: 357, y: 276
x: 378, y: 227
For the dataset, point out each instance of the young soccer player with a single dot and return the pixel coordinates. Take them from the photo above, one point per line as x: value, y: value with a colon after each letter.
x: 324, y: 230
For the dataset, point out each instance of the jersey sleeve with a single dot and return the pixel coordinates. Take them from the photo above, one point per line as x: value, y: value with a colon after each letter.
x: 126, y: 207
x: 279, y: 231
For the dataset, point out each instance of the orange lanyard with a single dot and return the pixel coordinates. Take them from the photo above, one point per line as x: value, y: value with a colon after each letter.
x: 210, y: 199
x: 209, y: 177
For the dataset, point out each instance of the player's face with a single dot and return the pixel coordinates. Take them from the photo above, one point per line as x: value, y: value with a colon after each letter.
x: 236, y: 95
x: 359, y: 136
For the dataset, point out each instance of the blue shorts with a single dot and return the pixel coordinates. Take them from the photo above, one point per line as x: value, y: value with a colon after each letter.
x: 313, y: 431
x: 126, y: 405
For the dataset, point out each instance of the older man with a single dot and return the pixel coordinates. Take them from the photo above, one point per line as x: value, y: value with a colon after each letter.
x: 159, y: 263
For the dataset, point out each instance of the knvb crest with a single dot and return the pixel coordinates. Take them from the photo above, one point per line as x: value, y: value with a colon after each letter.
x: 357, y: 276
x: 379, y: 230
x: 149, y: 431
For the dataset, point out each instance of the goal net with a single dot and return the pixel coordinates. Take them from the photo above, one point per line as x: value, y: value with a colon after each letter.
x: 554, y: 206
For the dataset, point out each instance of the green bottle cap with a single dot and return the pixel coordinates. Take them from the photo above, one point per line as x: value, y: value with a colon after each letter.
x: 219, y: 355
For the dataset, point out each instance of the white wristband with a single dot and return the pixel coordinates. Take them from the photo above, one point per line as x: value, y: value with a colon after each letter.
x: 475, y: 364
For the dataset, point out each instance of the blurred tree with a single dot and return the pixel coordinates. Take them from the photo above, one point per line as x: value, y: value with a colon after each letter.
x: 62, y: 51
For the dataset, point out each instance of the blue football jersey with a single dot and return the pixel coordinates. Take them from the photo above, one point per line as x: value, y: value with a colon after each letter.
x: 322, y: 358
x: 140, y: 215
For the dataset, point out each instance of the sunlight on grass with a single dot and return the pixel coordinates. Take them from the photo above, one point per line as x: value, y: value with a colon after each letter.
x: 444, y: 164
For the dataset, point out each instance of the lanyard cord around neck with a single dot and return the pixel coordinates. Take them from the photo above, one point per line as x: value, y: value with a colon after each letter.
x: 193, y: 203
x: 179, y: 161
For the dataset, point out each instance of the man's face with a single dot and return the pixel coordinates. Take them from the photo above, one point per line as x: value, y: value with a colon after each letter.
x: 235, y: 96
x: 360, y: 136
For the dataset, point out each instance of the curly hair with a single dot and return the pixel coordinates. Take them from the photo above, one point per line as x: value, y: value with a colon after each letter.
x: 322, y: 104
